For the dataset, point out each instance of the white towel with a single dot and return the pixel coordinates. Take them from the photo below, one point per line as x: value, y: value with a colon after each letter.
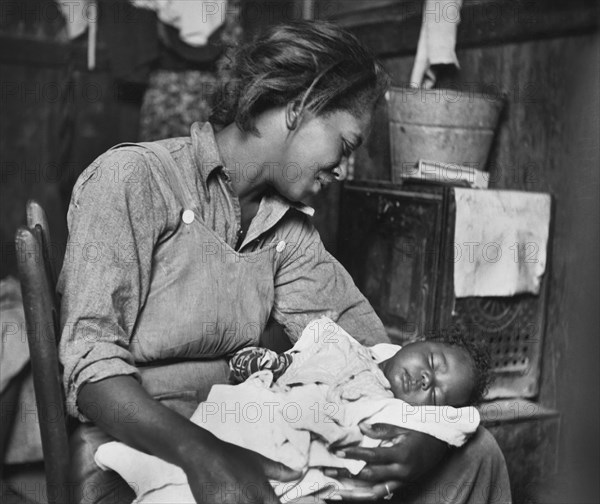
x: 196, y: 20
x: 500, y: 242
x: 437, y: 40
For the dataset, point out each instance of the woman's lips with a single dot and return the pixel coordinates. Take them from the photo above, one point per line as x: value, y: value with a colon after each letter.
x: 325, y: 178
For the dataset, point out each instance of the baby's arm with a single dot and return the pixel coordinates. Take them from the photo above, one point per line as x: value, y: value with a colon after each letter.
x: 248, y: 361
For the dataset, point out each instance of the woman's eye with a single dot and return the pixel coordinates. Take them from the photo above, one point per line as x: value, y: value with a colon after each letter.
x: 346, y: 150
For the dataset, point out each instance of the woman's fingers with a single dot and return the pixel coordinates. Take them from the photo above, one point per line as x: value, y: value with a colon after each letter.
x: 371, y: 473
x: 337, y: 472
x: 380, y: 455
x: 381, y: 430
x: 380, y: 472
x: 278, y: 471
x: 355, y: 492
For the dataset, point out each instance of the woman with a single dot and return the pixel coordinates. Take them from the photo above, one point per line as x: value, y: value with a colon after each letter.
x: 181, y: 250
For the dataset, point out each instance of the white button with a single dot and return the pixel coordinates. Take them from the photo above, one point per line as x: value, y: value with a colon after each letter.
x: 188, y: 216
x: 280, y: 246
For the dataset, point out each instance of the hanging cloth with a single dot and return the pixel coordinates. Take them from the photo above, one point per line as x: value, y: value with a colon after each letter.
x: 195, y: 20
x: 437, y: 40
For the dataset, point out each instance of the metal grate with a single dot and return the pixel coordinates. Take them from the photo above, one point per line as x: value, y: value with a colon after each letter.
x: 513, y: 328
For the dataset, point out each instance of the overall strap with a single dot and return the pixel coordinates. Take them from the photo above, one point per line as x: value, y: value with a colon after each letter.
x: 170, y: 169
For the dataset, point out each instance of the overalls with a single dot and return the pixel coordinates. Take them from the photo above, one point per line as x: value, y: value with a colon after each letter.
x: 188, y: 324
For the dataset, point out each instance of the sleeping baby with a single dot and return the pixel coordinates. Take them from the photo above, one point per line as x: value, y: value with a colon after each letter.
x: 299, y: 407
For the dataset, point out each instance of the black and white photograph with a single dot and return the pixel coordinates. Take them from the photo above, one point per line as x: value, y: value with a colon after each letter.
x: 299, y: 251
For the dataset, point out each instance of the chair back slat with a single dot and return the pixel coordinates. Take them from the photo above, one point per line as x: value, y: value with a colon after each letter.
x: 41, y: 320
x: 36, y: 217
x: 42, y: 240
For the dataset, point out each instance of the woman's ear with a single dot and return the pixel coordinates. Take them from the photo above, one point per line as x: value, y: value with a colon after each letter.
x: 292, y: 115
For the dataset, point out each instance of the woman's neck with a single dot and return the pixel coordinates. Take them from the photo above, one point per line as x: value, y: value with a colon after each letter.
x: 244, y: 156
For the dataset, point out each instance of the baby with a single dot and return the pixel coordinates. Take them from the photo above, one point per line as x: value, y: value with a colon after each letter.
x: 450, y: 371
x: 298, y: 407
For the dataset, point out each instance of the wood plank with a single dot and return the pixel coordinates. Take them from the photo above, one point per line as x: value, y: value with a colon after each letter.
x: 48, y: 53
x: 394, y: 30
x: 33, y: 52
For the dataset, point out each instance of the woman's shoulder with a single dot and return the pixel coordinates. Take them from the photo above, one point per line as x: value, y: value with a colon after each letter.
x: 125, y: 177
x: 124, y: 165
x: 110, y: 171
x: 297, y: 226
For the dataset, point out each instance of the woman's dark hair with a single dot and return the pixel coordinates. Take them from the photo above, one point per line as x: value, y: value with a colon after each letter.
x: 317, y: 64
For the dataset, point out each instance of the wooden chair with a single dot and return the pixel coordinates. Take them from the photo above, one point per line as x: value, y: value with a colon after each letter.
x: 38, y: 281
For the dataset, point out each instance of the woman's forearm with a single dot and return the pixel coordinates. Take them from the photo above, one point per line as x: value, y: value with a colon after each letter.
x: 217, y: 472
x: 121, y: 407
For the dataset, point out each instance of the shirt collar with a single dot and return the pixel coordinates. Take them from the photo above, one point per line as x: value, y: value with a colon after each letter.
x: 208, y: 158
x: 206, y: 150
x: 271, y: 210
x: 277, y: 200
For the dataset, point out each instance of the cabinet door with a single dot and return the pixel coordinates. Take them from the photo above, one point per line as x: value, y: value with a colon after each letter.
x: 391, y: 245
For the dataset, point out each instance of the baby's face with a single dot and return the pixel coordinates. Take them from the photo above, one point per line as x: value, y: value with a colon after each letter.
x: 430, y: 373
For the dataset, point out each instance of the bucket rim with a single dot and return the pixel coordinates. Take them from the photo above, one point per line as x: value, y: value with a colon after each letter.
x: 492, y: 99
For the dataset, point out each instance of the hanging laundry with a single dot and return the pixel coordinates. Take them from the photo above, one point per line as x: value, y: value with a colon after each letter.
x: 437, y: 40
x: 195, y: 20
x: 79, y: 17
x: 76, y: 16
x: 500, y: 242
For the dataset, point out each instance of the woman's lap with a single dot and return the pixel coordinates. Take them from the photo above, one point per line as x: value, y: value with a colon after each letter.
x: 473, y: 474
x: 179, y: 386
x: 93, y: 485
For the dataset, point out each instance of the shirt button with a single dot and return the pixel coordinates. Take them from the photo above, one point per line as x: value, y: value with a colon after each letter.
x: 280, y: 246
x: 188, y: 216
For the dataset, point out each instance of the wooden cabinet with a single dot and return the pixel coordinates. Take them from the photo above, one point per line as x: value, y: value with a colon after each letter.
x: 394, y: 244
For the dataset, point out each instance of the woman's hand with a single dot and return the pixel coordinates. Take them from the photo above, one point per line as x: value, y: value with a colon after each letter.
x: 411, y: 456
x: 222, y: 473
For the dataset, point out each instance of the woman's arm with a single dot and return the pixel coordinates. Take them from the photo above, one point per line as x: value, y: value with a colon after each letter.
x: 217, y: 472
x: 310, y: 283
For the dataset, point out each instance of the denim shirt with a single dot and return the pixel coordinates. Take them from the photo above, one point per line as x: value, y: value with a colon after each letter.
x: 151, y: 273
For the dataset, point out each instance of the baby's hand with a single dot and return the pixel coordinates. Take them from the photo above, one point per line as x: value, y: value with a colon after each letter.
x: 248, y: 361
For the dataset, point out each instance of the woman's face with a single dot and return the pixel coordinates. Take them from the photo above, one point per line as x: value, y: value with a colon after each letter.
x: 316, y: 152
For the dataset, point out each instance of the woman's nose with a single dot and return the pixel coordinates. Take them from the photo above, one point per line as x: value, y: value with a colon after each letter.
x: 341, y: 171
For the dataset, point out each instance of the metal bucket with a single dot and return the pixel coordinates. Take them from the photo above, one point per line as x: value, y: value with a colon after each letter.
x: 441, y: 125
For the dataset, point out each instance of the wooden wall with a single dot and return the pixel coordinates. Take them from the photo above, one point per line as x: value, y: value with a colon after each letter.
x: 56, y: 118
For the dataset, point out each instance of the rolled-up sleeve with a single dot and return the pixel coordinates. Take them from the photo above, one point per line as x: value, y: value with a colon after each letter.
x: 310, y: 283
x: 116, y: 215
